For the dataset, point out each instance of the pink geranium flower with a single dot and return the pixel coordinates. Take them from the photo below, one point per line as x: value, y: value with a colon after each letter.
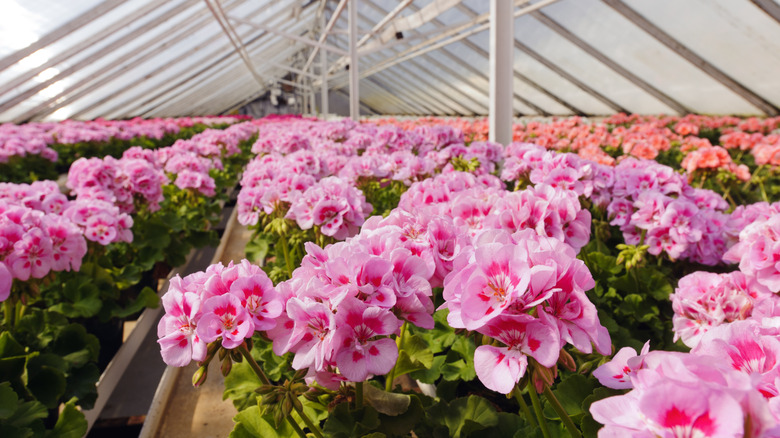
x: 178, y: 339
x: 6, y: 281
x: 359, y: 353
x: 500, y: 368
x: 225, y: 317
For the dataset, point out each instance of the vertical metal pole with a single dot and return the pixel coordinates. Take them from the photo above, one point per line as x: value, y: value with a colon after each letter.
x: 312, y: 100
x: 354, y: 98
x: 502, y: 39
x: 324, y: 74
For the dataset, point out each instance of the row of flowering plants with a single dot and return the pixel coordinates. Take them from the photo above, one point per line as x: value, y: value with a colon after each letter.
x: 502, y: 291
x: 40, y: 151
x: 74, y: 262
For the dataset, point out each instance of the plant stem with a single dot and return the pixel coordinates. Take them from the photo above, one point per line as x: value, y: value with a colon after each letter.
x: 575, y: 433
x: 524, y: 407
x: 358, y: 395
x: 286, y: 250
x: 538, y: 409
x: 296, y: 428
x: 8, y: 312
x: 252, y: 363
x: 310, y: 424
x: 391, y: 375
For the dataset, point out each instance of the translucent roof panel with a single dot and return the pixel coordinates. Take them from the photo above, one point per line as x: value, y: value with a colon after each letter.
x: 616, y: 37
x: 125, y: 58
x: 737, y: 37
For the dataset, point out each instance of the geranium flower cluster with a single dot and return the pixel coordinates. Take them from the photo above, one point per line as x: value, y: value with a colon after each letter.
x: 333, y: 205
x: 34, y: 242
x: 97, y: 219
x: 526, y: 162
x: 651, y: 200
x: 758, y: 249
x: 345, y: 301
x: 726, y: 386
x: 528, y: 292
x: 704, y: 300
x: 711, y: 157
x: 122, y: 181
x: 23, y: 140
x: 273, y: 181
x: 501, y: 257
x: 227, y: 304
x: 37, y: 138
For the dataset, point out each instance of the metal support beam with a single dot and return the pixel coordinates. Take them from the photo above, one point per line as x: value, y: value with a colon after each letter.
x: 66, y: 29
x: 455, y: 33
x: 354, y: 79
x: 501, y: 67
x: 423, y: 86
x: 288, y: 35
x: 235, y: 39
x: 770, y: 7
x: 619, y: 69
x: 324, y: 76
x: 699, y: 62
x: 324, y: 34
x: 213, y: 58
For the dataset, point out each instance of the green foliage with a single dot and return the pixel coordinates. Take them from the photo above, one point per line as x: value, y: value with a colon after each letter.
x: 383, y: 194
x: 27, y: 169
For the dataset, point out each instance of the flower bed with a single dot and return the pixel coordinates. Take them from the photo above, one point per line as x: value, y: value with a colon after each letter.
x: 492, y: 286
x: 38, y: 151
x: 70, y: 267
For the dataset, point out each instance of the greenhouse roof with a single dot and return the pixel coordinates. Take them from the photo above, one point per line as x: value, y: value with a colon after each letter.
x: 124, y: 58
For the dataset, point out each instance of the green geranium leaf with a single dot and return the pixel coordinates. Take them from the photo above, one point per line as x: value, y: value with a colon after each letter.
x: 345, y: 423
x: 70, y: 424
x: 26, y: 413
x: 401, y: 425
x: 8, y: 346
x: 8, y: 400
x: 76, y: 346
x: 240, y: 386
x: 571, y: 392
x: 82, y: 384
x: 251, y: 424
x: 388, y: 403
x: 147, y: 298
x: 414, y: 354
x: 464, y: 415
x: 46, y: 383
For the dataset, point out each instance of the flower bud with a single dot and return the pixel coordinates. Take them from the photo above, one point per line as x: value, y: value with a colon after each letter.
x: 227, y: 365
x: 567, y: 361
x: 200, y: 376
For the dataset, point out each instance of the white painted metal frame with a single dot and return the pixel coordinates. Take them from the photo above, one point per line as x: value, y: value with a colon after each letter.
x: 354, y: 68
x: 502, y: 36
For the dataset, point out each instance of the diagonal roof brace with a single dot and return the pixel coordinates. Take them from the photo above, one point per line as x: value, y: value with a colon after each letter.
x: 235, y: 39
x: 619, y: 69
x: 667, y: 40
x: 291, y: 36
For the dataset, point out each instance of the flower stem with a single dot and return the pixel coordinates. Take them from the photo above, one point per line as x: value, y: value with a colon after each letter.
x: 286, y: 251
x: 296, y: 428
x: 524, y: 407
x: 538, y: 410
x: 358, y: 395
x: 252, y: 363
x: 8, y: 313
x: 391, y: 375
x: 310, y: 424
x: 575, y: 433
